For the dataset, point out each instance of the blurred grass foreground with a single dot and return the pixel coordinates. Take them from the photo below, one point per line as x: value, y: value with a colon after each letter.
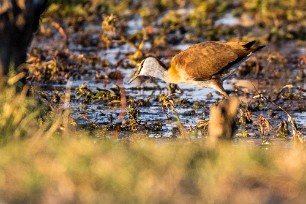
x: 44, y: 161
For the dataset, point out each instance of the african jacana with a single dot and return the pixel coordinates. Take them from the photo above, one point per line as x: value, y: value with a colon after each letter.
x: 205, y: 64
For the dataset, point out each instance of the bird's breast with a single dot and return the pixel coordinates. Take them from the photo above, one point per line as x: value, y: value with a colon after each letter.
x: 177, y: 74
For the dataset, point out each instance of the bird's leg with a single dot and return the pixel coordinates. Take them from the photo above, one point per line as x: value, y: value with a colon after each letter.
x: 217, y: 85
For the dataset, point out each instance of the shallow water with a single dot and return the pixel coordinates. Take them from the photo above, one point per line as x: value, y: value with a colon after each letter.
x: 192, y: 105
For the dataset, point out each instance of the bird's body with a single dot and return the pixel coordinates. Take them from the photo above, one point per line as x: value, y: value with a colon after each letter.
x: 205, y: 64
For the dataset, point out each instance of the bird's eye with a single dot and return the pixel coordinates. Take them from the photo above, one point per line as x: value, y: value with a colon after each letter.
x: 140, y: 67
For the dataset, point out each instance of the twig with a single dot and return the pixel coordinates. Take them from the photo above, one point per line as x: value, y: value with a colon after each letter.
x: 123, y: 102
x: 166, y: 102
x: 45, y: 96
x: 296, y: 132
x: 60, y: 29
x: 288, y: 86
x: 90, y: 121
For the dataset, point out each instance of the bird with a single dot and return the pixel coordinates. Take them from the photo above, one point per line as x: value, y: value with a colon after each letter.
x: 205, y: 64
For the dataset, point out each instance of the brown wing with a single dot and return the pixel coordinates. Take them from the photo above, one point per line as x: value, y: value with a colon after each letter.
x: 203, y: 60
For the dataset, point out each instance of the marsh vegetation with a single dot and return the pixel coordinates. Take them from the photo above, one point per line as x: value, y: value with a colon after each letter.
x: 86, y: 135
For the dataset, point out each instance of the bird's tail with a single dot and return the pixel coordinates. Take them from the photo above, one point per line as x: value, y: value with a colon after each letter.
x: 249, y: 45
x: 258, y: 48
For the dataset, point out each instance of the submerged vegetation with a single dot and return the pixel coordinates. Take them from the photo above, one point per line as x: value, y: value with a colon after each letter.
x: 86, y: 136
x: 96, y: 44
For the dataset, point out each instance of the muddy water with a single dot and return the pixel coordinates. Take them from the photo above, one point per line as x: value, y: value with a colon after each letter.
x: 192, y: 104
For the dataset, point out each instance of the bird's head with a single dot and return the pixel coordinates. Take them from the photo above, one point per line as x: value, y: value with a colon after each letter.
x: 145, y: 67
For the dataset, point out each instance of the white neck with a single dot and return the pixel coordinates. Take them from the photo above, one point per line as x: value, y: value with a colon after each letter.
x: 153, y: 68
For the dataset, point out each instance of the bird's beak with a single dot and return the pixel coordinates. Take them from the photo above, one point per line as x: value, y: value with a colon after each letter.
x: 136, y: 74
x: 133, y: 78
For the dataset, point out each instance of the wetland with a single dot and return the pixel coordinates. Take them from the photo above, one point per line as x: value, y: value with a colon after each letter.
x: 95, y: 46
x: 84, y: 135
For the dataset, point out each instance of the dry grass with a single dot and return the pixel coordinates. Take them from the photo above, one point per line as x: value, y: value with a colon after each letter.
x: 70, y: 166
x: 79, y: 169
